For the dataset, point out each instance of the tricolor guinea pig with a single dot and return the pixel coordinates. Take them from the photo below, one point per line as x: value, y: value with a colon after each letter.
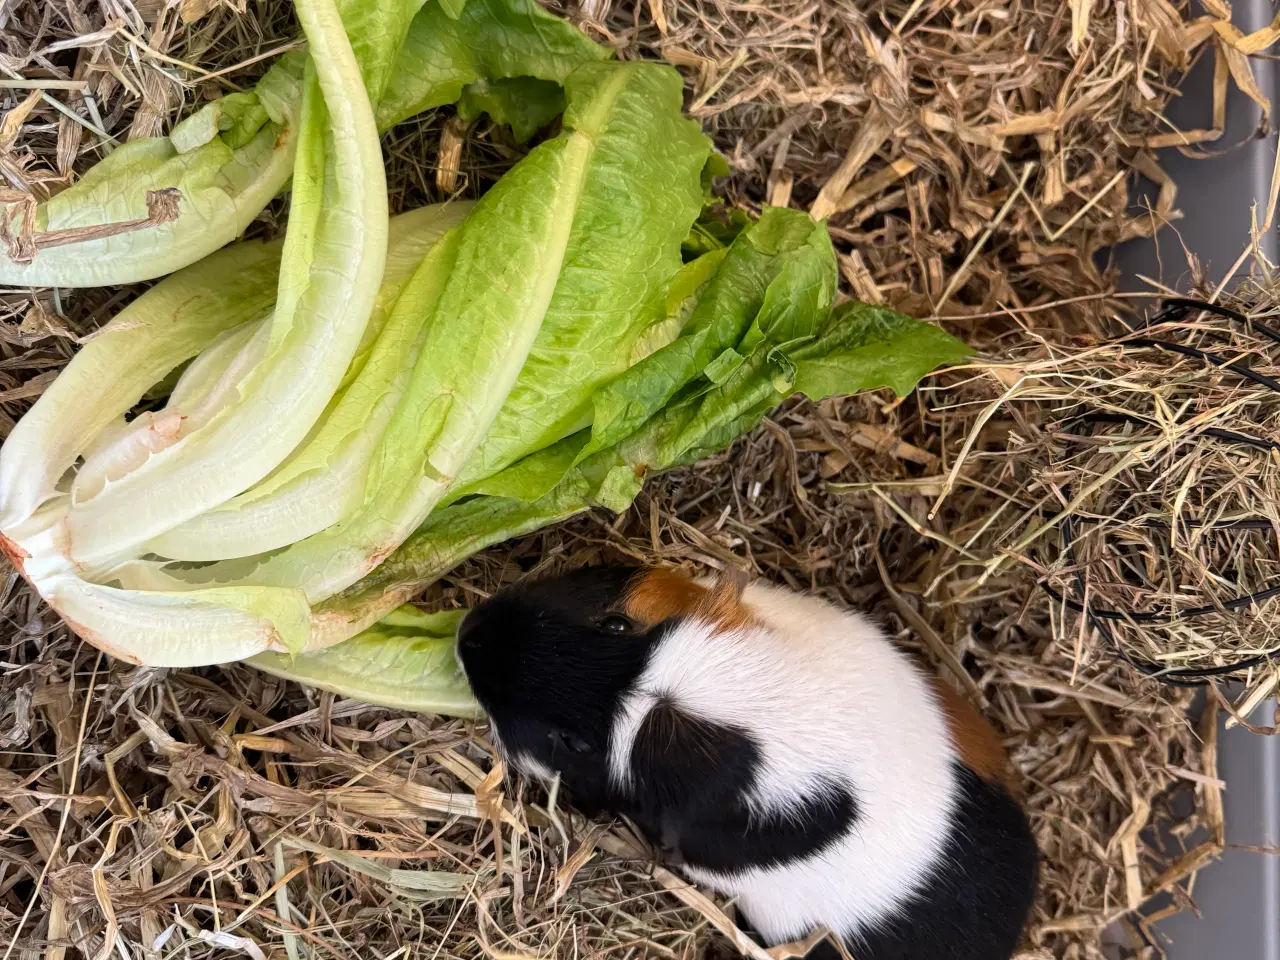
x: 776, y: 748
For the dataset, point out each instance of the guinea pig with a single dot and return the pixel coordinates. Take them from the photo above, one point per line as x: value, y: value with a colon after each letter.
x: 777, y: 748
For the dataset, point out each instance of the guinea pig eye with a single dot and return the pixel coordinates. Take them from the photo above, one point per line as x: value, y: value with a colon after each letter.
x: 569, y: 742
x: 616, y: 624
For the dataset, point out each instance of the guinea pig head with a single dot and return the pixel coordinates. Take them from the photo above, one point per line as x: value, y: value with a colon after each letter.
x: 550, y: 661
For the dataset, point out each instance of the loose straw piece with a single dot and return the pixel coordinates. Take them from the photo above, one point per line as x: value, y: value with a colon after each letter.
x: 1273, y: 196
x: 162, y: 208
x: 960, y: 275
x: 870, y: 137
x: 1093, y: 202
x: 869, y: 186
x: 690, y: 896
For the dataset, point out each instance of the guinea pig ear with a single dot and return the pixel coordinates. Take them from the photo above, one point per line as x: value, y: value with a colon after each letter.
x: 723, y: 602
x: 657, y: 595
x: 681, y: 761
x: 731, y: 583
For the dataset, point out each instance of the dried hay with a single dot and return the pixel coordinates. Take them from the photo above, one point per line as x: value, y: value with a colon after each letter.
x: 1147, y: 476
x: 971, y: 158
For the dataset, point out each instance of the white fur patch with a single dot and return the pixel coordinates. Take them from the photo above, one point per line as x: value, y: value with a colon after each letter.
x: 532, y: 767
x: 519, y: 760
x: 824, y: 694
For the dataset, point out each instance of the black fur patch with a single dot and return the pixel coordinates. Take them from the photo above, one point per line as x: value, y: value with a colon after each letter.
x: 537, y: 651
x: 689, y: 762
x: 976, y: 904
x: 692, y: 777
x: 545, y: 666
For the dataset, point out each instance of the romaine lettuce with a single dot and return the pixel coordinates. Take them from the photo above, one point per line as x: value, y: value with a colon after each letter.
x: 233, y: 156
x: 369, y: 403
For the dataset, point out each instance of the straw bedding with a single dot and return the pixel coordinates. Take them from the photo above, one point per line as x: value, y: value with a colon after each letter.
x: 1149, y: 501
x: 972, y: 157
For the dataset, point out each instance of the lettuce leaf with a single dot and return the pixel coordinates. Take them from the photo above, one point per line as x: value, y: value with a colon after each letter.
x: 405, y: 661
x: 865, y: 346
x: 331, y: 266
x: 228, y: 160
x: 859, y: 347
x: 778, y: 277
x: 491, y: 40
x: 153, y: 335
x: 448, y: 537
x: 584, y: 232
x: 331, y: 262
x: 615, y: 284
x: 525, y: 104
x: 323, y: 479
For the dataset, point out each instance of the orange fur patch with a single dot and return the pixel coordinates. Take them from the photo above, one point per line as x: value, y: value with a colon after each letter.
x: 976, y: 741
x: 657, y: 595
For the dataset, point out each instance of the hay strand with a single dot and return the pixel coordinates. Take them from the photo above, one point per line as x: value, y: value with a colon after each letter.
x: 969, y: 158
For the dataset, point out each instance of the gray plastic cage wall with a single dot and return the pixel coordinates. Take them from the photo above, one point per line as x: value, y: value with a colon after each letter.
x: 1239, y: 896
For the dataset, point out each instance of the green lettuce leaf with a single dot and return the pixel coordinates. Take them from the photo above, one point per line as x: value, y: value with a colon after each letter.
x: 859, y: 347
x: 153, y: 335
x: 717, y: 228
x: 525, y: 104
x: 870, y: 346
x: 682, y: 297
x: 614, y: 287
x: 227, y: 162
x: 405, y: 661
x: 377, y: 33
x: 234, y: 155
x: 776, y: 281
x: 156, y: 629
x: 331, y: 266
x: 584, y: 232
x: 211, y: 306
x: 323, y: 479
x: 448, y: 537
x: 530, y: 477
x: 490, y: 40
